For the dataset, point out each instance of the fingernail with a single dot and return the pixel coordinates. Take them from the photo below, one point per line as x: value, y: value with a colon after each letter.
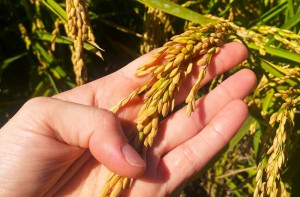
x: 132, y: 156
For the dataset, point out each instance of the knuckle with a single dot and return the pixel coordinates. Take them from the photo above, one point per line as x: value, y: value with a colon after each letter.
x: 191, y: 157
x: 218, y: 133
x: 104, y: 117
x: 109, y: 116
x: 33, y: 110
x: 36, y: 102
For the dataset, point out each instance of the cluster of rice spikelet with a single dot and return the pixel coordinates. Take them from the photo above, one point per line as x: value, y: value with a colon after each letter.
x: 247, y: 35
x: 268, y: 177
x: 280, y: 128
x: 157, y: 29
x: 79, y: 29
x: 55, y: 32
x: 193, y: 48
x: 262, y: 35
x: 289, y: 39
x: 24, y: 35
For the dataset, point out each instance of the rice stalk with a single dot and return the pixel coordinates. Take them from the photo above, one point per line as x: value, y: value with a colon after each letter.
x: 193, y: 48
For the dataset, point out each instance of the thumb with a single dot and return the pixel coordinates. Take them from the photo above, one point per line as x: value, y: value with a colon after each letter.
x: 85, y: 127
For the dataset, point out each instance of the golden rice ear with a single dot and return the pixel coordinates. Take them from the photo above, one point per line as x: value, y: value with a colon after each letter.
x: 283, y: 120
x: 79, y: 29
x: 115, y: 184
x: 178, y: 58
x: 157, y: 29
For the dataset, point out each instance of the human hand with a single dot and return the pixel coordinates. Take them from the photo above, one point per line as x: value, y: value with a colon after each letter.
x: 63, y: 145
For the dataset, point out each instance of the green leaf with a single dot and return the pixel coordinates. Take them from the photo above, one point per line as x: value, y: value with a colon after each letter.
x: 272, y: 13
x: 241, y: 133
x: 268, y: 100
x: 290, y: 8
x: 4, y: 64
x: 92, y: 47
x: 56, y: 9
x: 46, y: 36
x: 176, y: 10
x: 37, y: 46
x: 292, y: 22
x: 52, y: 82
x: 43, y: 89
x: 276, y: 71
x: 257, y: 141
x: 278, y: 52
x: 60, y: 71
x: 10, y: 60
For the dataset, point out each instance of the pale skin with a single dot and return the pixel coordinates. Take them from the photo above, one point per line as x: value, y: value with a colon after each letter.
x: 64, y: 145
